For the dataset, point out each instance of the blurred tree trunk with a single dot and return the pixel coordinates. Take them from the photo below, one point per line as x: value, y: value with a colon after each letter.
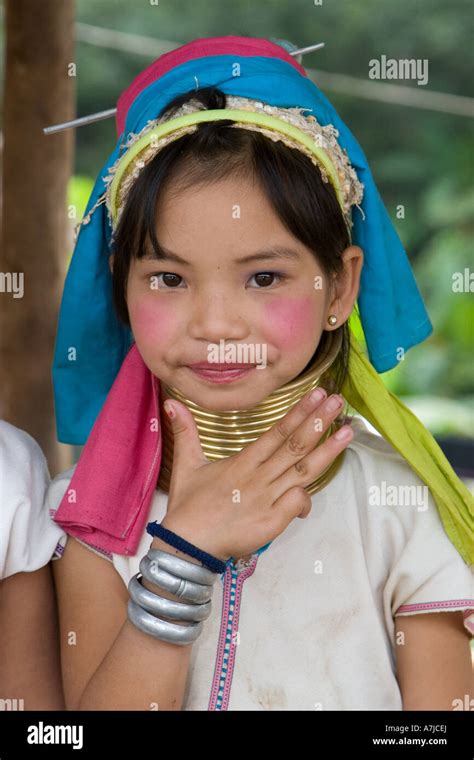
x: 39, y: 91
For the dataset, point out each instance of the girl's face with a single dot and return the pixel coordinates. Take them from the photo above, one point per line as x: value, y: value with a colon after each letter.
x: 229, y: 290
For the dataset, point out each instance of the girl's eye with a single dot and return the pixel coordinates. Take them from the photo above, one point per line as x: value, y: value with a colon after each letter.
x: 264, y: 278
x: 170, y: 281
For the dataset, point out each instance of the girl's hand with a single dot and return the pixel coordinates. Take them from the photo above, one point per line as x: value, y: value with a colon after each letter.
x: 232, y: 507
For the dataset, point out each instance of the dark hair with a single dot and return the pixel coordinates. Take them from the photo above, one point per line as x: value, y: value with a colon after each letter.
x: 305, y: 204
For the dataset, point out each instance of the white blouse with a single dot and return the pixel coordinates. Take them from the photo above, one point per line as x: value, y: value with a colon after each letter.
x: 27, y: 535
x: 308, y: 623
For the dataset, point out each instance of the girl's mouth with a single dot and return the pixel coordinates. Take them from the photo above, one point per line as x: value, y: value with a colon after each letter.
x: 222, y: 375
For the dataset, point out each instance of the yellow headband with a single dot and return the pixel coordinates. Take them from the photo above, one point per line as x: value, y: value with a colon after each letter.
x: 287, y: 125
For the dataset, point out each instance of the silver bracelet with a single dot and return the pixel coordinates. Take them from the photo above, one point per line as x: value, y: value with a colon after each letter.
x: 185, y: 580
x: 181, y: 567
x: 183, y: 589
x: 159, y: 605
x: 160, y: 629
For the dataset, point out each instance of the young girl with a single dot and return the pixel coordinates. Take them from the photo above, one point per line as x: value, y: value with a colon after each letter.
x: 30, y: 677
x: 185, y: 581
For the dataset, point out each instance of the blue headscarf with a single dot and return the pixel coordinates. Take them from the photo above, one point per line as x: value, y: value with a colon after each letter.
x: 92, y: 343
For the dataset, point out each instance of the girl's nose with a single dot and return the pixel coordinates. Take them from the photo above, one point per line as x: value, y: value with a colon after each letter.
x: 216, y: 318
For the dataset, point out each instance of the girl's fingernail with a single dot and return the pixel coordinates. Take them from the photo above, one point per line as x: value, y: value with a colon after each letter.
x: 317, y: 395
x: 343, y: 433
x: 334, y: 403
x: 169, y: 409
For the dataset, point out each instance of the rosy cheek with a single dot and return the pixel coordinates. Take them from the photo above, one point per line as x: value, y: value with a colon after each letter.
x: 290, y: 321
x: 150, y: 322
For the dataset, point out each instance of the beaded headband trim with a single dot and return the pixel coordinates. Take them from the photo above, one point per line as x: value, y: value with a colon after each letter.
x: 288, y: 125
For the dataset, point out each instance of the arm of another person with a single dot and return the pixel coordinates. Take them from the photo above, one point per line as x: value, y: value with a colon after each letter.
x: 29, y: 650
x: 434, y: 665
x: 107, y: 663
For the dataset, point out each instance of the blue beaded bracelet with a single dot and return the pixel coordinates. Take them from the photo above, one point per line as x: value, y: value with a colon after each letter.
x: 213, y: 563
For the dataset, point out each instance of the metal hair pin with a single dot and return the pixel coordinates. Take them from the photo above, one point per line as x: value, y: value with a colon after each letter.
x: 112, y: 111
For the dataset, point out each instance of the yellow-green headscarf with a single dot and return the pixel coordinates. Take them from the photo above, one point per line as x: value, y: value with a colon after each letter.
x: 367, y: 394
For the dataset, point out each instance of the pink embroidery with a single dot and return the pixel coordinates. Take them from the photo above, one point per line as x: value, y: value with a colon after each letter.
x: 435, y: 605
x: 226, y: 648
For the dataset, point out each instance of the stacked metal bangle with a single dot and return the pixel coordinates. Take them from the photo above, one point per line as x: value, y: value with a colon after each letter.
x: 186, y: 580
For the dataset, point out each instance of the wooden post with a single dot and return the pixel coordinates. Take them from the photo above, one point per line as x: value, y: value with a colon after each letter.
x: 39, y: 91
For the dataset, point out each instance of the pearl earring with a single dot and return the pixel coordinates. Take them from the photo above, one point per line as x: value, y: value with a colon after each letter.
x: 332, y: 319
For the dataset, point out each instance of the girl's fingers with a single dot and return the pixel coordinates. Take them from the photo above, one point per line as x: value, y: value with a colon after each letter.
x: 302, y: 440
x: 268, y: 443
x: 307, y: 469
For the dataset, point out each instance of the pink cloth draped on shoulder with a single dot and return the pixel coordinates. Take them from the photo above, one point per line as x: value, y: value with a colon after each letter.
x: 109, y: 496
